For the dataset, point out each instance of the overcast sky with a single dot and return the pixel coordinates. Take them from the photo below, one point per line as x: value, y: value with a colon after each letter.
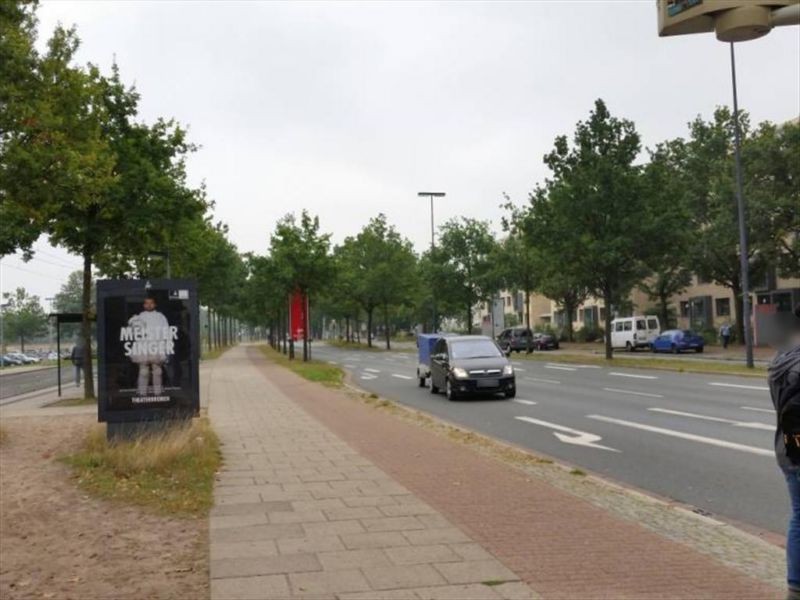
x: 350, y: 109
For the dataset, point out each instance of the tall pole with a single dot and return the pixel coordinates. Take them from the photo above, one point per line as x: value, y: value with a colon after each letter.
x: 748, y: 338
x: 433, y: 246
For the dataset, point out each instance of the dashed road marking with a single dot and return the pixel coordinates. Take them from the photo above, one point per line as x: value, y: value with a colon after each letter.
x: 764, y: 410
x: 538, y: 380
x: 332, y: 362
x: 526, y: 402
x: 349, y: 366
x: 401, y: 376
x: 760, y: 388
x: 746, y: 425
x: 560, y: 368
x: 367, y: 377
x: 372, y: 370
x: 631, y: 375
x: 686, y: 436
x: 645, y: 394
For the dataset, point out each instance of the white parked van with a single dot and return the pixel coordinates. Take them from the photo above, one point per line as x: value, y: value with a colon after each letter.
x: 634, y: 332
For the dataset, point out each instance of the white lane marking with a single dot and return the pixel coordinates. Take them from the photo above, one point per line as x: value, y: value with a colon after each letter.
x: 368, y: 377
x: 570, y: 436
x: 616, y: 374
x: 516, y: 363
x: 753, y: 408
x: 372, y: 370
x: 685, y: 436
x: 349, y: 366
x: 745, y: 424
x: 560, y: 368
x: 553, y: 381
x: 401, y: 376
x: 332, y: 362
x: 519, y: 369
x: 633, y: 393
x: 573, y: 365
x: 526, y: 402
x: 760, y: 388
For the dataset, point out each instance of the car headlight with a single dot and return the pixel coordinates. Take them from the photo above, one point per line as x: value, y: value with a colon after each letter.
x: 459, y: 373
x: 508, y: 370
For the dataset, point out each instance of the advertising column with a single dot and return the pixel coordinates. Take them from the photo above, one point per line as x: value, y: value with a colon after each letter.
x: 148, y: 350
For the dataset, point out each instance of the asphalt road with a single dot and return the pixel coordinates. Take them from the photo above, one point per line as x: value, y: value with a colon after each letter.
x: 703, y: 440
x: 25, y: 381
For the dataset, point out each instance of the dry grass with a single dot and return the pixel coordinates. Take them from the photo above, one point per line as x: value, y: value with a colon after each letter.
x: 3, y: 436
x: 170, y: 471
x: 313, y: 370
x: 77, y: 401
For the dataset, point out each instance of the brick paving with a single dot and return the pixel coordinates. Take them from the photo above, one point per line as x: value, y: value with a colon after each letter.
x: 300, y: 514
x: 562, y: 546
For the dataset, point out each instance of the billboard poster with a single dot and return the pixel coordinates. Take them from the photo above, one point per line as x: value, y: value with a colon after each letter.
x: 147, y: 349
x: 298, y: 316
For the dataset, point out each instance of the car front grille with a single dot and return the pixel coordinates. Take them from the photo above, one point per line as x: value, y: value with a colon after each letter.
x: 485, y: 372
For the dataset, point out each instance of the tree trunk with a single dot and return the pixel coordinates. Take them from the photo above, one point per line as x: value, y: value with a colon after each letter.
x: 305, y: 328
x: 664, y: 311
x: 86, y: 326
x: 607, y: 302
x: 469, y: 317
x: 386, y: 326
x: 738, y: 307
x: 22, y: 343
x: 208, y: 328
x: 569, y: 314
x: 369, y: 327
x: 347, y: 329
x: 528, y: 309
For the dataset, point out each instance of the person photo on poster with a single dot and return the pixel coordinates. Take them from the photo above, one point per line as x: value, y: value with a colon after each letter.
x: 149, y: 342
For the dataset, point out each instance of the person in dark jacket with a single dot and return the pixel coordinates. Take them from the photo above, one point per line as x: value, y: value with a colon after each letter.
x: 784, y: 388
x: 77, y: 360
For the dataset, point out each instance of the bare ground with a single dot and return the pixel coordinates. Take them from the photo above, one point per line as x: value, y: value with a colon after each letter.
x: 58, y: 542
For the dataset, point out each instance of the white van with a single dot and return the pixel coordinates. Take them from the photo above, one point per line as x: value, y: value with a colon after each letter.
x: 634, y: 332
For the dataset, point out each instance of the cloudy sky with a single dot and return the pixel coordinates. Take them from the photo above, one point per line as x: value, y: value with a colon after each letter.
x: 350, y: 109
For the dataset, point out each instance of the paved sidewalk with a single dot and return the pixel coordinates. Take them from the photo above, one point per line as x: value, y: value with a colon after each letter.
x: 299, y: 513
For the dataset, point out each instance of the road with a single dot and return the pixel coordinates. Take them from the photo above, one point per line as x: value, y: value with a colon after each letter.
x: 33, y: 379
x: 703, y: 440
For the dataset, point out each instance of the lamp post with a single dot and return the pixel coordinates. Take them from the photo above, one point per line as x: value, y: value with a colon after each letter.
x: 432, y: 195
x: 735, y: 21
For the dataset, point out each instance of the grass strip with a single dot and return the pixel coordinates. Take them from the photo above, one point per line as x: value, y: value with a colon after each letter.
x: 169, y: 472
x: 77, y: 401
x: 215, y: 353
x: 661, y: 364
x: 313, y: 370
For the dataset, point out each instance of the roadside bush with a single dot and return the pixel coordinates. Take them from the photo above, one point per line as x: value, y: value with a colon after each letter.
x: 589, y: 334
x: 710, y: 336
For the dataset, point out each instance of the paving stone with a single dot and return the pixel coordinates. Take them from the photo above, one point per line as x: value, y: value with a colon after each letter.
x: 222, y: 510
x: 250, y: 588
x: 257, y: 532
x: 378, y: 539
x: 425, y: 537
x: 458, y: 592
x: 380, y: 595
x: 412, y: 555
x: 402, y: 576
x: 222, y: 550
x: 348, y: 513
x: 222, y: 522
x: 407, y: 510
x: 392, y: 524
x: 353, y: 559
x: 515, y: 590
x: 471, y: 551
x: 332, y: 528
x: 327, y: 583
x: 263, y: 565
x: 326, y: 543
x: 475, y: 571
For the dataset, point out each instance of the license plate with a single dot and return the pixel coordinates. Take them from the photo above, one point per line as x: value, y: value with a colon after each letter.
x: 488, y: 383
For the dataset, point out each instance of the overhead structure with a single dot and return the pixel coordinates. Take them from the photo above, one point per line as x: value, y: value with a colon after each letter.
x: 731, y: 20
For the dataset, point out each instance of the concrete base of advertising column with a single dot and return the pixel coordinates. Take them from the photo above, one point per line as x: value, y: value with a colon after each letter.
x: 132, y: 430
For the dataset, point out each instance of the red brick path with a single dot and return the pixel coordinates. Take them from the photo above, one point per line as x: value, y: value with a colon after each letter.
x: 562, y: 546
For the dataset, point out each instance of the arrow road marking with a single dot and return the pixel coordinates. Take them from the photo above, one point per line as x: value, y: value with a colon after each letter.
x: 615, y: 374
x: 553, y: 381
x: 526, y: 402
x: 402, y: 376
x: 686, y: 436
x: 760, y: 388
x: 746, y: 425
x: 753, y: 408
x: 579, y: 438
x: 633, y: 393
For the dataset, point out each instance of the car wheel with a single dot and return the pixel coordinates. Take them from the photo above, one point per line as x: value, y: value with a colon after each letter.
x: 628, y: 347
x: 450, y: 392
x: 675, y: 349
x: 421, y: 382
x: 434, y: 389
x: 653, y: 348
x: 699, y: 350
x: 511, y: 393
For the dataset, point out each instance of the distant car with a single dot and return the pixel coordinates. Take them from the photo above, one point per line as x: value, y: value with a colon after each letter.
x: 10, y: 361
x: 52, y: 356
x: 23, y: 358
x: 678, y: 340
x: 545, y: 341
x: 470, y: 364
x: 515, y: 339
x: 634, y: 332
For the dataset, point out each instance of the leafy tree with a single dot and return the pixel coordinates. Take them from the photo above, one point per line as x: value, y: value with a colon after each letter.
x: 69, y: 299
x: 466, y: 273
x: 594, y: 209
x: 23, y: 317
x: 302, y: 260
x: 517, y: 258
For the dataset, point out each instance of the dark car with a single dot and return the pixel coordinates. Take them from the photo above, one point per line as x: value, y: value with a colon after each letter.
x: 678, y: 340
x: 545, y: 341
x: 515, y: 339
x: 470, y: 364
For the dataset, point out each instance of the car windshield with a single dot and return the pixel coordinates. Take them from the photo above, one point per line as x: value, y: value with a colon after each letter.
x: 688, y: 333
x: 474, y: 349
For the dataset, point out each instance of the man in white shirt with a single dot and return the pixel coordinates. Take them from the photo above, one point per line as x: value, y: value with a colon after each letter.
x: 151, y: 355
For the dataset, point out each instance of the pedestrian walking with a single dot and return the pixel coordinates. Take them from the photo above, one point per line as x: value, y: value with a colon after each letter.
x: 76, y: 356
x: 725, y: 334
x: 784, y: 388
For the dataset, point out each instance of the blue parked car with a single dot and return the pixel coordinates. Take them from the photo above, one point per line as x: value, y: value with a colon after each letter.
x: 678, y: 340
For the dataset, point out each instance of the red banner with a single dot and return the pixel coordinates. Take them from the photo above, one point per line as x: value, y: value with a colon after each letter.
x: 298, y: 316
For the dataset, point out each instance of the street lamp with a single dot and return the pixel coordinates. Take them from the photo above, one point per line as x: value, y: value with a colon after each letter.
x: 432, y: 195
x: 160, y: 254
x: 737, y: 21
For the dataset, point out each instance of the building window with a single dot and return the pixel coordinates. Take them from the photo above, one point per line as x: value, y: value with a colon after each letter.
x: 702, y: 280
x: 684, y: 308
x: 723, y: 306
